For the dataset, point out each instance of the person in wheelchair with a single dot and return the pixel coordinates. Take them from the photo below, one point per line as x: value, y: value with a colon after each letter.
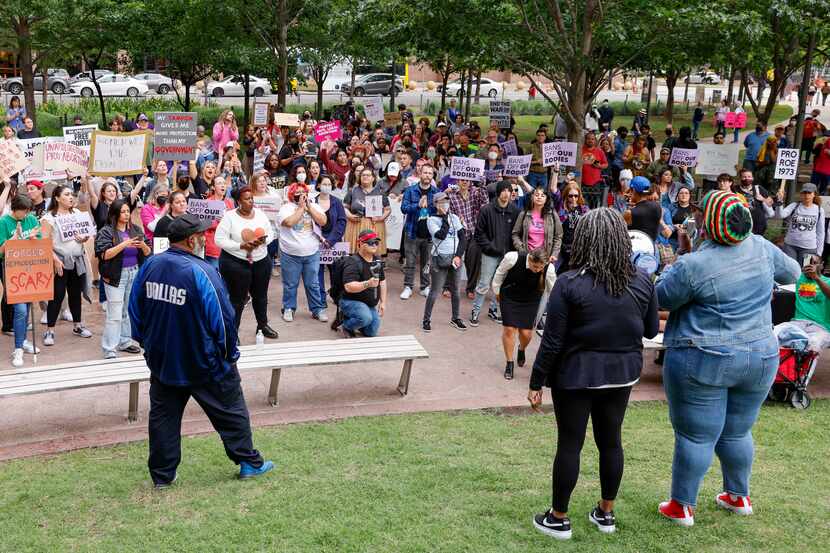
x: 812, y: 308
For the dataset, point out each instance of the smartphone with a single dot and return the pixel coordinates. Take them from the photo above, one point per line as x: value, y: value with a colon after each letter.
x: 807, y: 261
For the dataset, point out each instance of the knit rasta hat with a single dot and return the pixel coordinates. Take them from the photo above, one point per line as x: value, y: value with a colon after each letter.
x: 726, y: 217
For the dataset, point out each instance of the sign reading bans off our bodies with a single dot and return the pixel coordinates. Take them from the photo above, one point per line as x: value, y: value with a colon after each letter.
x: 467, y: 168
x: 563, y: 153
x: 175, y: 136
x: 118, y: 153
x: 683, y: 156
x: 207, y: 210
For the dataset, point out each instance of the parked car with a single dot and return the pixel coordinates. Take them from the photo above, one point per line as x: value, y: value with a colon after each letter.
x: 235, y: 86
x: 158, y: 83
x: 111, y: 85
x: 87, y: 75
x: 704, y: 77
x: 57, y: 80
x: 373, y: 83
x: 488, y: 88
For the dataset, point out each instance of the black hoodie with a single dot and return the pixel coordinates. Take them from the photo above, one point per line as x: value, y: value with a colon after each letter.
x: 494, y: 228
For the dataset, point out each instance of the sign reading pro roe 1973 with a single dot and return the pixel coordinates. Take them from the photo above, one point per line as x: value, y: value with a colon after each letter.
x: 786, y: 165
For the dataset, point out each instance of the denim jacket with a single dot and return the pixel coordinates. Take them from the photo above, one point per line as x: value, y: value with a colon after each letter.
x: 721, y: 295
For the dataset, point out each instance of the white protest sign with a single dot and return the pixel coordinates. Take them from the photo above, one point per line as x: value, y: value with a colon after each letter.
x: 394, y: 225
x: 207, y: 210
x: 683, y: 156
x: 270, y: 205
x: 373, y: 107
x: 786, y: 165
x: 78, y: 224
x: 467, y: 168
x: 500, y: 113
x: 174, y: 137
x: 80, y: 136
x: 714, y: 159
x: 12, y: 159
x: 115, y: 153
x: 160, y: 245
x: 261, y: 114
x: 563, y: 153
x: 374, y: 206
x: 509, y: 148
x: 492, y: 175
x: 33, y: 150
x: 517, y: 166
x: 60, y: 156
x: 286, y: 120
x: 330, y: 255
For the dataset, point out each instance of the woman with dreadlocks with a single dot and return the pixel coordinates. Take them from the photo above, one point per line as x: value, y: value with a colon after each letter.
x: 591, y: 355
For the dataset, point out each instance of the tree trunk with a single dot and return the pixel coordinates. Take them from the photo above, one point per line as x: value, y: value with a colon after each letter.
x: 24, y: 44
x: 187, y: 94
x: 44, y: 96
x: 393, y: 90
x: 351, y: 89
x: 648, y: 100
x: 282, y: 53
x: 686, y: 88
x: 468, y: 94
x: 478, y: 87
x: 317, y: 71
x: 445, y: 78
x: 671, y: 80
x: 246, y: 87
x: 729, y: 90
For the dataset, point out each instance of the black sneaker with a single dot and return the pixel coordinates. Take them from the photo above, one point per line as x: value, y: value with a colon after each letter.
x: 605, y: 522
x: 458, y: 324
x: 508, y: 371
x: 426, y: 326
x: 474, y: 319
x: 165, y: 485
x: 269, y: 332
x: 494, y: 315
x: 559, y: 528
x: 520, y: 358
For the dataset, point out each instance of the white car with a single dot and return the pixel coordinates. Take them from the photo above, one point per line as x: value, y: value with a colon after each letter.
x: 704, y: 77
x: 235, y: 86
x: 488, y: 88
x: 111, y: 85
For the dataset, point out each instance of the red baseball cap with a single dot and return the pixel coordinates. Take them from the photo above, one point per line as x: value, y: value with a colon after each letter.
x: 37, y: 183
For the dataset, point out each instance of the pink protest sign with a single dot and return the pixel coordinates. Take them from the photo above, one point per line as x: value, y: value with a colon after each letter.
x: 327, y: 131
x: 735, y: 120
x: 731, y: 118
x: 740, y: 120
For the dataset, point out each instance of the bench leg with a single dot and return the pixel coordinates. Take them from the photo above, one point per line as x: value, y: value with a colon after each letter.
x: 275, y: 386
x: 403, y: 385
x: 132, y: 414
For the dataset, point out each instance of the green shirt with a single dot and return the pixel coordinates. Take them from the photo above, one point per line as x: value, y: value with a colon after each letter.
x: 8, y: 226
x: 810, y: 302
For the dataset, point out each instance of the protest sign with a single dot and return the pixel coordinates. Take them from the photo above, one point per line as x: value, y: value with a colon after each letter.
x: 270, y: 205
x: 261, y: 111
x: 714, y: 159
x: 207, y: 210
x: 467, y: 168
x: 374, y: 206
x: 60, y: 156
x: 683, y: 156
x: 392, y: 119
x: 286, y: 120
x: 786, y: 164
x: 563, y: 153
x: 492, y: 175
x: 517, y: 166
x: 327, y: 131
x: 80, y: 136
x: 500, y: 113
x: 28, y: 271
x: 259, y: 162
x: 330, y: 255
x: 735, y: 120
x: 160, y: 245
x: 12, y: 159
x: 729, y: 122
x: 117, y: 153
x: 373, y: 108
x: 74, y: 225
x: 175, y: 136
x: 33, y: 151
x: 509, y: 148
x: 394, y: 225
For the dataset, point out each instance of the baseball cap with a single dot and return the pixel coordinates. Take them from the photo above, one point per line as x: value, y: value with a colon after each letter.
x: 142, y: 117
x: 393, y: 169
x: 640, y: 185
x: 626, y: 174
x: 665, y: 150
x: 40, y: 184
x: 441, y: 124
x: 809, y: 187
x: 440, y: 196
x: 184, y: 226
x: 366, y: 235
x: 643, y: 111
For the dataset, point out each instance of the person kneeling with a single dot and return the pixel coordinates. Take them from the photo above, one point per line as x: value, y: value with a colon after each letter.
x: 812, y: 291
x: 364, y: 288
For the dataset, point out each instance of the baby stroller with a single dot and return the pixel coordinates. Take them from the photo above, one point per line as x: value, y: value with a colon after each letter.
x: 795, y: 369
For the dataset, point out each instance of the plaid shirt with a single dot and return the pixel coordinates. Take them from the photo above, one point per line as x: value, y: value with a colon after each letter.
x: 468, y: 210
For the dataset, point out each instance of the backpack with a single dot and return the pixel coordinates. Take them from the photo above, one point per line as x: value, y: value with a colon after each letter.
x: 336, y: 290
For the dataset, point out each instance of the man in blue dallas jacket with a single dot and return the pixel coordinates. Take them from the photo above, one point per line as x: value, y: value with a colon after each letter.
x: 182, y: 317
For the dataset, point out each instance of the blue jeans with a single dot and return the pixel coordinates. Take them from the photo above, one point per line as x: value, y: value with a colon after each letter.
x: 714, y: 396
x: 537, y: 179
x: 359, y: 316
x: 695, y: 129
x: 489, y: 264
x: 321, y: 282
x: 21, y: 320
x: 736, y: 135
x: 296, y: 266
x: 117, y: 331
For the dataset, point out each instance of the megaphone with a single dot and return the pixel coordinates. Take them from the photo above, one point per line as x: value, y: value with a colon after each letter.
x: 644, y: 253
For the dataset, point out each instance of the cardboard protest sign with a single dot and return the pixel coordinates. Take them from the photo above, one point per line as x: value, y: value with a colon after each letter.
x: 517, y: 166
x: 60, y: 156
x: 207, y: 210
x: 328, y: 131
x: 261, y: 112
x: 75, y: 225
x: 714, y: 159
x: 33, y: 150
x: 509, y: 148
x: 175, y: 136
x: 392, y: 119
x: 117, y: 153
x: 160, y: 245
x: 338, y: 250
x: 286, y: 120
x: 28, y: 271
x: 394, y: 225
x: 683, y: 156
x: 80, y: 136
x: 563, y: 153
x: 374, y: 206
x: 270, y: 205
x: 500, y: 113
x: 467, y: 168
x: 786, y: 164
x: 12, y: 159
x: 373, y: 108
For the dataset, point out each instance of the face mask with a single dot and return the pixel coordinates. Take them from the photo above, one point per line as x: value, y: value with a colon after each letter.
x: 493, y: 156
x: 431, y: 154
x: 301, y: 177
x: 161, y: 200
x: 407, y: 143
x: 199, y: 248
x: 759, y: 128
x: 444, y: 206
x: 325, y: 189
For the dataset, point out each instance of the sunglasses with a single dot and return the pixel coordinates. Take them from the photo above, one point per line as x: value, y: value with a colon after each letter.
x: 372, y: 242
x: 573, y: 195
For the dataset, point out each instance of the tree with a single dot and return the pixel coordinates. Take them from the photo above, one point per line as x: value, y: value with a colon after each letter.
x: 325, y: 28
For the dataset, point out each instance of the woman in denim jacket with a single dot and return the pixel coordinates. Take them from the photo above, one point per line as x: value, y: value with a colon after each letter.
x: 721, y: 353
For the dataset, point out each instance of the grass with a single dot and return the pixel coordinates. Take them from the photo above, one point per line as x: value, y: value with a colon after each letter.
x: 415, y: 483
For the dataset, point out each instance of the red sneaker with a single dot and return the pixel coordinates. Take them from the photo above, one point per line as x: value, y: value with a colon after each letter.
x: 677, y: 512
x: 738, y: 504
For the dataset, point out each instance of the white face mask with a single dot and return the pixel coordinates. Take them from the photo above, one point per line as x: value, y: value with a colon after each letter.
x: 493, y: 156
x: 325, y: 189
x: 199, y: 248
x: 301, y: 177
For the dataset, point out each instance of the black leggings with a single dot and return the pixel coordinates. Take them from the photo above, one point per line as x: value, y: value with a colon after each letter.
x: 607, y: 410
x: 243, y: 278
x: 70, y: 284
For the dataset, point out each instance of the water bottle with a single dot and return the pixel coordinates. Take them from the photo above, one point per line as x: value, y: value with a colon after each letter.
x: 260, y: 340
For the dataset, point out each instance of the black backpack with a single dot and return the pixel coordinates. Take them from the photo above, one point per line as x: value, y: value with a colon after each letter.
x: 336, y: 290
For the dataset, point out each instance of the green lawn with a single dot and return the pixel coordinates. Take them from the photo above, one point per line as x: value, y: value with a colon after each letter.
x: 416, y: 483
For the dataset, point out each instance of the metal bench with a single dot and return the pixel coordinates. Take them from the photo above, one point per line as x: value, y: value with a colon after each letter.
x: 274, y: 356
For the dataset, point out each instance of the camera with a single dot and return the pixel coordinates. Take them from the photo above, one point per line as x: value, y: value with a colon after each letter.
x: 376, y: 268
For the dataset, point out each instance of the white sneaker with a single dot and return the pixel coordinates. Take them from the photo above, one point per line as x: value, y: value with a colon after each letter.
x: 82, y: 332
x: 44, y: 319
x: 425, y: 292
x: 29, y: 348
x: 288, y: 315
x: 17, y: 357
x: 407, y: 293
x: 66, y: 315
x: 104, y: 306
x: 48, y: 338
x: 322, y: 316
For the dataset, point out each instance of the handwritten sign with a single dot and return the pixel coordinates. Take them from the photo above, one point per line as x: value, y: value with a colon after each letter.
x: 175, y: 136
x: 467, y: 168
x: 373, y: 108
x: 394, y: 225
x: 270, y: 205
x: 786, y: 164
x: 261, y: 111
x: 735, y: 120
x: 509, y: 148
x: 60, y: 156
x: 12, y: 159
x: 683, y: 156
x: 500, y: 113
x: 714, y: 159
x: 517, y: 166
x: 33, y: 150
x: 29, y: 271
x: 392, y: 119
x: 117, y: 153
x: 328, y: 131
x: 160, y: 245
x: 286, y: 120
x: 80, y: 136
x: 563, y: 153
x: 78, y: 224
x: 207, y: 210
x: 492, y: 175
x: 374, y: 206
x: 338, y: 250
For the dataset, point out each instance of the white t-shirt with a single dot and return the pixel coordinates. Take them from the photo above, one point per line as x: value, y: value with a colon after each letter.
x: 229, y: 233
x: 301, y: 239
x: 275, y: 200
